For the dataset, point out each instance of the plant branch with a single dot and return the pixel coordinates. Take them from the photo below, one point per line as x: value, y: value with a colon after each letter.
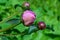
x: 6, y: 19
x: 14, y: 25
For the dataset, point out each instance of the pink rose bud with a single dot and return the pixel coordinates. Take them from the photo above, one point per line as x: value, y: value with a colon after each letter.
x: 26, y: 4
x: 28, y: 17
x: 41, y: 25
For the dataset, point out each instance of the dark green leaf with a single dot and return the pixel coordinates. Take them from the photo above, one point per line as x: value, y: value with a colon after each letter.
x: 13, y: 21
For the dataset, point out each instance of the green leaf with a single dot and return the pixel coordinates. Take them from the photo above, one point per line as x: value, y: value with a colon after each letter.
x: 32, y: 29
x: 13, y: 21
x: 21, y: 27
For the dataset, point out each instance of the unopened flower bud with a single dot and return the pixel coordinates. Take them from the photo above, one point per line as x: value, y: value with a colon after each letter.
x: 28, y: 17
x: 26, y: 4
x: 41, y: 25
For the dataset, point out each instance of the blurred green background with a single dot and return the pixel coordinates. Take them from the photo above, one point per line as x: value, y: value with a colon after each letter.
x: 45, y: 10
